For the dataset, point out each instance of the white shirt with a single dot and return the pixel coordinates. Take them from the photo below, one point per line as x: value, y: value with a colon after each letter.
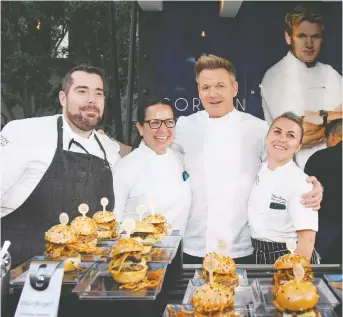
x: 290, y: 85
x: 27, y: 149
x: 143, y: 175
x: 275, y: 210
x: 222, y: 157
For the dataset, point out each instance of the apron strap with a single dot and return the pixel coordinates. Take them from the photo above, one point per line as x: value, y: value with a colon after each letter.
x: 72, y: 141
x: 60, y: 133
x: 103, y: 150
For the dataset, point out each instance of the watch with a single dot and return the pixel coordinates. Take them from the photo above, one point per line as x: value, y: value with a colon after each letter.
x: 324, y: 115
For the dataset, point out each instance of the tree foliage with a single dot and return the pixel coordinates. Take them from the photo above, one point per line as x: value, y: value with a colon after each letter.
x: 31, y: 32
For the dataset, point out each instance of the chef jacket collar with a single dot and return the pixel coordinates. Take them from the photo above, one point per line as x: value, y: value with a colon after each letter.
x: 143, y: 147
x: 231, y: 115
x: 279, y: 169
x: 295, y: 61
x: 67, y: 129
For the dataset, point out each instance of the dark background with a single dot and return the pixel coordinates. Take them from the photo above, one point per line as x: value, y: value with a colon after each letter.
x: 170, y: 41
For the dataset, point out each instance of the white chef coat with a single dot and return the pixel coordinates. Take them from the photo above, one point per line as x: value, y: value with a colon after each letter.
x: 282, y: 187
x: 290, y: 85
x: 27, y: 149
x: 143, y: 175
x: 222, y: 156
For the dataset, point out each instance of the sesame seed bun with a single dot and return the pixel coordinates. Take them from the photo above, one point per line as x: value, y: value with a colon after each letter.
x: 83, y: 225
x: 104, y: 216
x: 126, y: 245
x: 130, y: 276
x: 60, y: 234
x: 225, y: 264
x: 296, y: 296
x: 142, y: 226
x: 287, y: 261
x: 211, y: 298
x: 154, y: 219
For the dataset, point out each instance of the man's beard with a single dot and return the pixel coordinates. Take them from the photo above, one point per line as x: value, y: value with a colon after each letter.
x: 84, y: 123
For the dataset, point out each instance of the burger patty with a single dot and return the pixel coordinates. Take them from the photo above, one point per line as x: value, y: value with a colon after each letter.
x: 108, y: 226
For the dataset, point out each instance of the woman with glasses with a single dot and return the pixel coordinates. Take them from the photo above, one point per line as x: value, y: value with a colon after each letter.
x: 153, y: 174
x: 276, y: 214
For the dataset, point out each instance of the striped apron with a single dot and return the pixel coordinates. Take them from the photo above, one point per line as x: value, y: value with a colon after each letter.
x: 268, y: 252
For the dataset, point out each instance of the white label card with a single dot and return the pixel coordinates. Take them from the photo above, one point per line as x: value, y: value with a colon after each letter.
x: 41, y: 303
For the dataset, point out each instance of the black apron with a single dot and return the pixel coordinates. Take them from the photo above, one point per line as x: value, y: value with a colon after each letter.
x: 268, y: 252
x: 70, y: 180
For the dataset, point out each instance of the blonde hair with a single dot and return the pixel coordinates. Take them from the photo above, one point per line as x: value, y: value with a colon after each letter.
x: 213, y: 62
x: 299, y: 14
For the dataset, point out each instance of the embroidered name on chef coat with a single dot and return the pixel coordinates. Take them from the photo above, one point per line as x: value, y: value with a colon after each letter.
x: 278, y: 202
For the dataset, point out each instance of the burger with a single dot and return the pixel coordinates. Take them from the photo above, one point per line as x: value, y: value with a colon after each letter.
x: 85, y: 230
x: 296, y: 299
x: 144, y: 234
x: 160, y: 224
x: 284, y: 266
x: 214, y: 300
x: 58, y: 237
x: 225, y: 273
x: 127, y: 265
x: 106, y: 224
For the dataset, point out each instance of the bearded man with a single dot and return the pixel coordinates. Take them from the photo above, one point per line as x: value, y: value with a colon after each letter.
x: 52, y: 164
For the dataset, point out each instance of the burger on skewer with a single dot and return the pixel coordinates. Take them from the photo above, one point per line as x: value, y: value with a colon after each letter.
x: 284, y: 266
x: 127, y: 265
x: 107, y: 227
x: 160, y: 224
x: 144, y: 234
x: 85, y: 230
x: 225, y: 273
x: 215, y: 300
x: 296, y: 299
x: 58, y: 237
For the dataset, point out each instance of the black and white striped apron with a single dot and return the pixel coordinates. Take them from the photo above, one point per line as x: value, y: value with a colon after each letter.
x: 269, y: 252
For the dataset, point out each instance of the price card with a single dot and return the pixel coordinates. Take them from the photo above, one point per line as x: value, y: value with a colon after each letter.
x: 42, y: 290
x: 104, y: 203
x: 83, y: 209
x: 152, y: 206
x: 291, y: 245
x: 129, y: 225
x: 210, y: 264
x: 141, y: 210
x: 64, y: 218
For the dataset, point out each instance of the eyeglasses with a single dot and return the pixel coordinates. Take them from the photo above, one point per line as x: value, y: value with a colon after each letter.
x: 156, y: 123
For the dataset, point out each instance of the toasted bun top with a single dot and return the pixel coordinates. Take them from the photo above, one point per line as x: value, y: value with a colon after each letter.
x: 104, y: 216
x: 60, y: 234
x: 126, y: 245
x: 212, y: 297
x: 142, y: 226
x: 83, y: 225
x: 225, y: 264
x: 155, y: 219
x: 297, y: 296
x: 287, y: 261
